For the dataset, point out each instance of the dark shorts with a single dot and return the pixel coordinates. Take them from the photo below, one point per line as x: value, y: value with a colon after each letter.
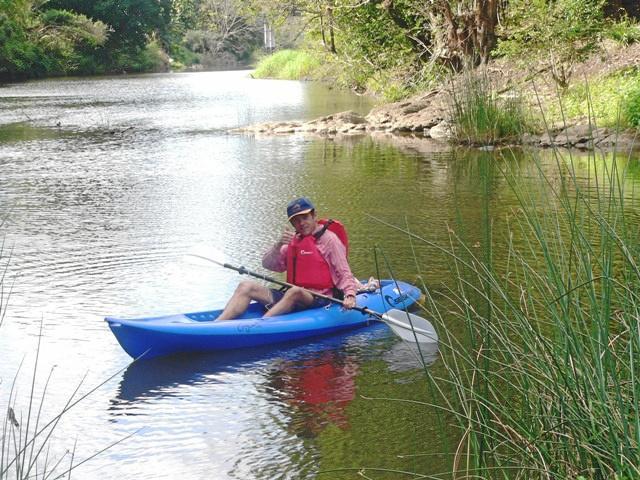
x: 317, y: 302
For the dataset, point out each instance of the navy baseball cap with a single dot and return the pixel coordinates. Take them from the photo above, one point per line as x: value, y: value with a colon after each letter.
x: 299, y: 206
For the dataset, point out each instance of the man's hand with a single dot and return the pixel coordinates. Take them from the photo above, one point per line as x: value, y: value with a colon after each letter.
x: 286, y: 237
x: 349, y: 302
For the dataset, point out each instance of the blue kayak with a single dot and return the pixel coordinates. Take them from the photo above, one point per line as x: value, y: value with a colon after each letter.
x: 199, y: 332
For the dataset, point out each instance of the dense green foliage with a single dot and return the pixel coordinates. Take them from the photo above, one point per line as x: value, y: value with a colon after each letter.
x: 132, y: 23
x: 40, y: 42
x: 624, y: 31
x: 395, y: 48
x: 391, y: 47
x: 374, y: 53
x: 74, y: 36
x: 286, y: 64
x: 632, y: 105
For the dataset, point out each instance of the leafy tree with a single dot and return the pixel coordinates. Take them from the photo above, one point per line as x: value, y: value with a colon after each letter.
x: 229, y: 22
x: 223, y: 28
x: 132, y: 23
x: 452, y: 32
x: 368, y: 42
x: 561, y: 31
x: 184, y: 16
x: 37, y: 41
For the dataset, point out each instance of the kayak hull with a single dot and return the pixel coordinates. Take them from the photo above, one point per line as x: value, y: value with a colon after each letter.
x: 199, y: 332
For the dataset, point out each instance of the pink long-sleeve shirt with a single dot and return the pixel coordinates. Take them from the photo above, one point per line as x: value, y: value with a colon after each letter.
x: 334, y: 253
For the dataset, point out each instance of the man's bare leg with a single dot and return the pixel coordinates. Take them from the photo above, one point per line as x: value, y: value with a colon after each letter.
x: 292, y: 297
x: 239, y: 301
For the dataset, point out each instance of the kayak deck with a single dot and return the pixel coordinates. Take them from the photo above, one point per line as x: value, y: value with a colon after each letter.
x: 200, y: 332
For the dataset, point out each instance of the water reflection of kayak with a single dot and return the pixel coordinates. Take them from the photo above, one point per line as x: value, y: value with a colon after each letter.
x: 198, y: 332
x: 169, y: 376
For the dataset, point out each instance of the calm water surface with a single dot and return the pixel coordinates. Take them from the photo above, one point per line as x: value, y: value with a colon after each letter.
x: 107, y: 182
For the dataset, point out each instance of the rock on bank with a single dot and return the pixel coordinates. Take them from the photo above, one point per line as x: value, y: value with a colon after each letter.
x: 418, y: 115
x: 426, y: 117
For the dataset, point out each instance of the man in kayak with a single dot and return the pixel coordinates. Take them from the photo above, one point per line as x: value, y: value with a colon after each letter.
x: 313, y: 257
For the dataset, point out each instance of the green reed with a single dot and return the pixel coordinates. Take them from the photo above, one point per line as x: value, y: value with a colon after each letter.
x: 540, y: 340
x: 482, y: 117
x: 26, y: 434
x: 545, y: 379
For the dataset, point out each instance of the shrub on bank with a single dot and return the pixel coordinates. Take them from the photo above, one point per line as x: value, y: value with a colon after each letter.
x: 632, y: 105
x: 611, y: 101
x: 481, y: 117
x: 391, y: 84
x: 26, y: 436
x: 151, y: 58
x: 288, y: 65
x: 625, y: 31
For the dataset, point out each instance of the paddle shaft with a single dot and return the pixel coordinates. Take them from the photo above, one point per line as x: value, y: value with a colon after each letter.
x: 244, y: 271
x: 364, y: 310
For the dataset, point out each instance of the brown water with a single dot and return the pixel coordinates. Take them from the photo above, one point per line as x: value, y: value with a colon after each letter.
x: 107, y: 182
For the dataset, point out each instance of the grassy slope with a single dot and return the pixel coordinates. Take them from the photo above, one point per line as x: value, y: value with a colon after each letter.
x: 605, y: 88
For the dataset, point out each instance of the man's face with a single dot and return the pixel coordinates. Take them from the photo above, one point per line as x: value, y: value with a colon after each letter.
x: 304, y: 223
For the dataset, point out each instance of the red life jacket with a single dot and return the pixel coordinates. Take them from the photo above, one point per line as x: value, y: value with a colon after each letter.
x: 336, y: 227
x: 306, y: 267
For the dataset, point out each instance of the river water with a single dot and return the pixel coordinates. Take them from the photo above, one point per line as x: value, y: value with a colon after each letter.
x: 107, y: 182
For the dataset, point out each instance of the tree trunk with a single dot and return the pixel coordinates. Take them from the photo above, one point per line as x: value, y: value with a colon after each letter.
x: 329, y: 44
x: 470, y: 34
x: 486, y: 19
x: 332, y: 37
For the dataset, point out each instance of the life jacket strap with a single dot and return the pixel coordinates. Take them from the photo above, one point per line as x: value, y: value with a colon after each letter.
x: 324, y: 228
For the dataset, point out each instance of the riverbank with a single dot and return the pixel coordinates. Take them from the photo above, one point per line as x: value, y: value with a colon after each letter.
x: 428, y: 116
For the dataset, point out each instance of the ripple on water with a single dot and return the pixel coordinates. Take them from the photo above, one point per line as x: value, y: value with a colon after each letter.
x: 103, y: 207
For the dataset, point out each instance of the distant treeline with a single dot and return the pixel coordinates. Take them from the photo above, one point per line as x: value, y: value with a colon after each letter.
x: 58, y: 37
x: 396, y: 47
x: 370, y: 44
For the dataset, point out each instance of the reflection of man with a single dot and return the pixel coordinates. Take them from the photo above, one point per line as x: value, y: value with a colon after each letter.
x: 313, y: 257
x: 317, y: 390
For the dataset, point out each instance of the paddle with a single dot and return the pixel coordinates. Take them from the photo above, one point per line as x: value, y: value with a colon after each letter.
x: 408, y: 326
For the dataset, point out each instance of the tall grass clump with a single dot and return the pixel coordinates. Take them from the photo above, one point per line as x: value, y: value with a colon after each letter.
x: 624, y: 31
x: 540, y: 336
x: 481, y: 117
x: 288, y: 65
x: 541, y: 350
x: 26, y: 449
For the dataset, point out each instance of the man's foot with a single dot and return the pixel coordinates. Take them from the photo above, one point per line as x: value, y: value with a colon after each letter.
x: 371, y: 286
